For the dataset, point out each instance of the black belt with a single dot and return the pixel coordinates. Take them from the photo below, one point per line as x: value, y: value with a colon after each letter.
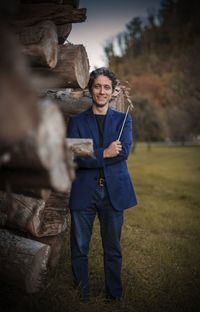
x: 101, y: 182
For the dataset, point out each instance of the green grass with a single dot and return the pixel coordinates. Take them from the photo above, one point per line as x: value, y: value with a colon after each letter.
x: 160, y: 241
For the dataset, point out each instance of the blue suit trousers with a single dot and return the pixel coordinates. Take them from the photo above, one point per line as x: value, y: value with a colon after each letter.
x: 111, y: 222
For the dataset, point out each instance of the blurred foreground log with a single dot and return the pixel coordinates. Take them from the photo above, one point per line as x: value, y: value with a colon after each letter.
x: 23, y: 261
x: 40, y: 44
x: 39, y: 159
x: 18, y: 112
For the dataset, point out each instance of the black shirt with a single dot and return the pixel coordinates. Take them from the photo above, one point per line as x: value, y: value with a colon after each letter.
x: 100, y: 122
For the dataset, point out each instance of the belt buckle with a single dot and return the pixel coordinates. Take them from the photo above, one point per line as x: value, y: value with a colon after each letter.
x: 101, y: 181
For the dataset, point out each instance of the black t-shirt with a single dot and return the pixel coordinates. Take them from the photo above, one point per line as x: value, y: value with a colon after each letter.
x: 100, y: 122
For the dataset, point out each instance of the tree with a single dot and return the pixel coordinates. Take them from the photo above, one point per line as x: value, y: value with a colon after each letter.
x: 148, y: 126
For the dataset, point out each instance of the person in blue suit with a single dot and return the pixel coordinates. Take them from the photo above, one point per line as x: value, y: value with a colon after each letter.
x: 102, y: 186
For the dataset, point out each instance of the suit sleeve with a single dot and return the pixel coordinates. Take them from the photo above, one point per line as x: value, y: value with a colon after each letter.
x: 99, y: 161
x: 83, y: 162
x: 126, y: 140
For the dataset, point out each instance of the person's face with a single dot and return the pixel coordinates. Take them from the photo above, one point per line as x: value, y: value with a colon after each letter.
x: 101, y: 91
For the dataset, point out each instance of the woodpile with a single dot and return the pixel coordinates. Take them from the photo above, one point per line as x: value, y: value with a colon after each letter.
x: 36, y: 159
x: 43, y: 81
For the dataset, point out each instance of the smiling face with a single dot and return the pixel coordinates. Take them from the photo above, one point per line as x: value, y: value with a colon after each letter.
x: 101, y: 91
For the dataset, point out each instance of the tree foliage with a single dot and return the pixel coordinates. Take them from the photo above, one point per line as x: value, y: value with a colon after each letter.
x: 160, y: 59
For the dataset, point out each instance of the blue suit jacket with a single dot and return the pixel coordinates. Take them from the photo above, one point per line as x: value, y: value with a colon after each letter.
x: 118, y: 181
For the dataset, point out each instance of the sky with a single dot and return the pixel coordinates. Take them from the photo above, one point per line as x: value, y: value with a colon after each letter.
x: 105, y: 19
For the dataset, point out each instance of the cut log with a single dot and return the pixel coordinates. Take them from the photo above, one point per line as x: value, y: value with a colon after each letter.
x: 35, y: 216
x: 31, y: 14
x: 56, y: 243
x: 18, y: 112
x: 63, y: 32
x: 41, y: 152
x: 68, y: 103
x: 23, y: 212
x: 23, y: 261
x: 55, y: 216
x: 72, y: 69
x: 71, y: 106
x: 40, y: 44
x: 118, y: 101
x: 73, y: 66
x: 80, y: 147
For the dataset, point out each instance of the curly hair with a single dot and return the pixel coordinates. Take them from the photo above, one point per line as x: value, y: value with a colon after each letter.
x: 102, y: 71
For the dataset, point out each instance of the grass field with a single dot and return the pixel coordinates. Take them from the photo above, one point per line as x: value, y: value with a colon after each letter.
x: 160, y: 241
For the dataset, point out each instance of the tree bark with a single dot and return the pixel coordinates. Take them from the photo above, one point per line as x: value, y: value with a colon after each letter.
x: 40, y: 44
x: 31, y: 14
x: 23, y: 261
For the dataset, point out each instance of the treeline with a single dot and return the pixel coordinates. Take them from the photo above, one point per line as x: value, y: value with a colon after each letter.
x: 160, y: 58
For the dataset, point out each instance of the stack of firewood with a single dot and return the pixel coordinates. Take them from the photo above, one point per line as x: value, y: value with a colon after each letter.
x: 36, y: 159
x: 43, y: 81
x: 33, y: 221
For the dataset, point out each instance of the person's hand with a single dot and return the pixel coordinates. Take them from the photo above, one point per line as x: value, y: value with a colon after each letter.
x: 113, y: 149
